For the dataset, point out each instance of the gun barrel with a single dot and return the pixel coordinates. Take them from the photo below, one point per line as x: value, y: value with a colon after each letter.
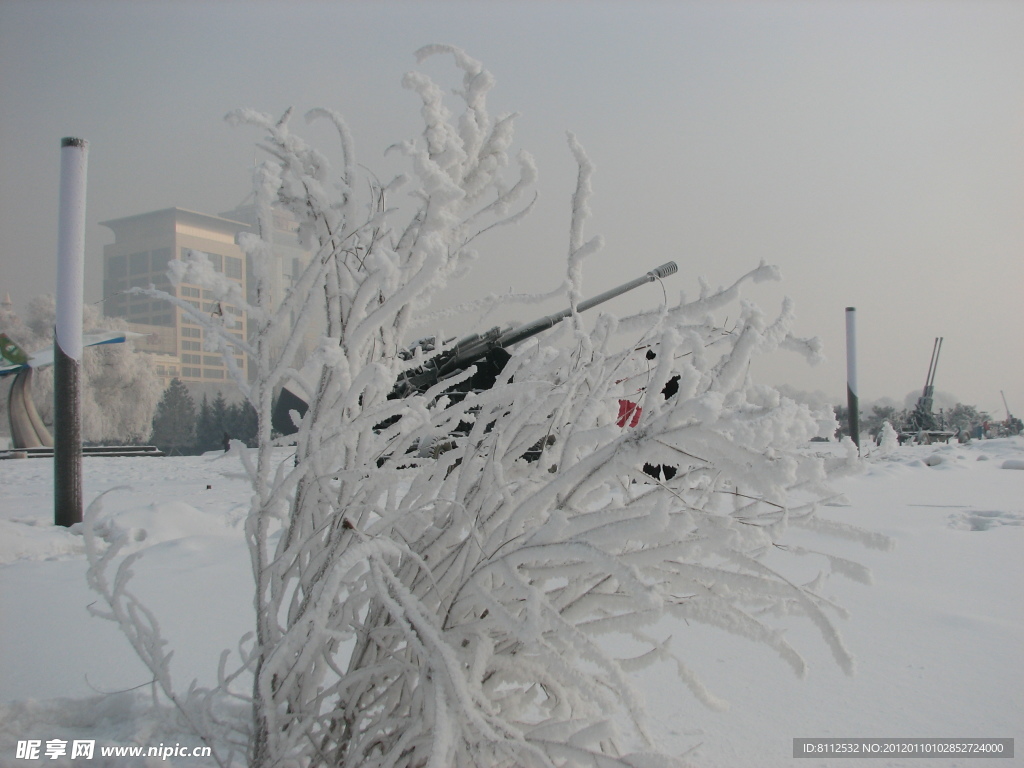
x: 929, y: 382
x: 523, y: 332
x: 473, y: 348
x: 470, y: 350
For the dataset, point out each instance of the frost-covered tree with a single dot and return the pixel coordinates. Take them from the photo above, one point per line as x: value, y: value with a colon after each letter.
x: 120, y: 388
x: 880, y: 414
x: 438, y: 576
x: 175, y: 420
x: 842, y: 414
x: 963, y: 417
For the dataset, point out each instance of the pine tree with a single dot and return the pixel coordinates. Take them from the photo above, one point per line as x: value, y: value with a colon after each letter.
x: 212, y: 424
x: 241, y: 423
x: 175, y: 419
x: 219, y: 419
x: 204, y: 426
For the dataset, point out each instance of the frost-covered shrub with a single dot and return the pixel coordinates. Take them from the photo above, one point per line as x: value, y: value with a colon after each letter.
x: 436, y: 575
x: 888, y: 440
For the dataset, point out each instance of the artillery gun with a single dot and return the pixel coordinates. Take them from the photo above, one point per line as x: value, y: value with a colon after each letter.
x: 488, y: 352
x: 922, y: 425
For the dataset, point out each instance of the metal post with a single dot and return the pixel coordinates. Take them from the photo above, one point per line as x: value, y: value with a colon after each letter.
x: 67, y: 347
x: 852, y: 403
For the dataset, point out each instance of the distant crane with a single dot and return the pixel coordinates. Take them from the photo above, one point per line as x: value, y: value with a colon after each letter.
x: 1012, y: 425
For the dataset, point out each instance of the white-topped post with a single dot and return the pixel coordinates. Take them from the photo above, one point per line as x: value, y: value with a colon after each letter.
x: 852, y: 401
x: 67, y: 346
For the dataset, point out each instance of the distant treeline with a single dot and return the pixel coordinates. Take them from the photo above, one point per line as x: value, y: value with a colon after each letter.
x: 179, y: 427
x: 959, y: 418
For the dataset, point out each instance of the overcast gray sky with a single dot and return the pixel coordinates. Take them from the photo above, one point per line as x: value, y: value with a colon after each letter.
x: 873, y: 150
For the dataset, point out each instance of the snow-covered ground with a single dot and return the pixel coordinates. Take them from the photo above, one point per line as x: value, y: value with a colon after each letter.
x: 938, y: 636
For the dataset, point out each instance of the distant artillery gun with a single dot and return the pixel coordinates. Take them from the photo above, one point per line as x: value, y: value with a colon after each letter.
x: 487, y: 352
x: 922, y: 425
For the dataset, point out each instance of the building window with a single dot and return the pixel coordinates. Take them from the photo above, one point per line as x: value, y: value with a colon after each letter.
x: 192, y: 346
x: 160, y: 258
x: 138, y: 263
x: 233, y: 267
x: 215, y: 258
x: 212, y: 360
x: 213, y: 373
x: 117, y: 266
x: 191, y: 359
x: 192, y: 333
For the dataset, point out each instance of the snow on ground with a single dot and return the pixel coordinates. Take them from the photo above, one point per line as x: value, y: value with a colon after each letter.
x: 937, y: 636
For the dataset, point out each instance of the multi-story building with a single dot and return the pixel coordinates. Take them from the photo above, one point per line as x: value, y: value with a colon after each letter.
x: 143, y: 245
